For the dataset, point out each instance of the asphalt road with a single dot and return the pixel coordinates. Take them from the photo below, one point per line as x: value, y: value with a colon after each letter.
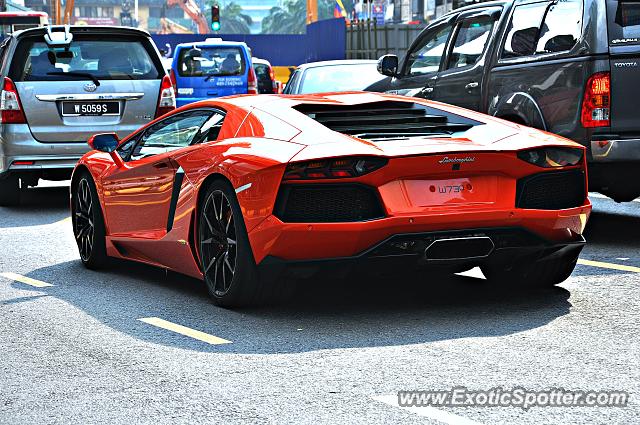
x: 77, y: 351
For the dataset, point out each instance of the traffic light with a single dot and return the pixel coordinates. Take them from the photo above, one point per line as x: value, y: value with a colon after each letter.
x: 215, y: 17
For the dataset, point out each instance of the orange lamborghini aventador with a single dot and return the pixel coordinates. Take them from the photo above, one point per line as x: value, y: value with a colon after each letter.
x: 241, y: 191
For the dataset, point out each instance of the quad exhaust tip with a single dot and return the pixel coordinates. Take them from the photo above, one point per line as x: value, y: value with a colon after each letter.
x: 455, y: 249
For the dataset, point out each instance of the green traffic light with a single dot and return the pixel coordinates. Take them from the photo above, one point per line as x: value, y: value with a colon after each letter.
x: 215, y: 26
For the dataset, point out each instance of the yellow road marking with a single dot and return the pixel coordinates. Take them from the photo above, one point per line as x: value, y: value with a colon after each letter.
x: 24, y: 279
x: 612, y: 266
x: 183, y: 330
x: 64, y: 220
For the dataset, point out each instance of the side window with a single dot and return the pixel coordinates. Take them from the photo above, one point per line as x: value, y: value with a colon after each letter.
x: 291, y: 84
x: 210, y: 129
x: 471, y: 40
x: 426, y: 57
x: 523, y: 30
x: 562, y: 27
x: 170, y: 134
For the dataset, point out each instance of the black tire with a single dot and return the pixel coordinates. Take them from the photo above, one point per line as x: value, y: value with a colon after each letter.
x: 9, y: 191
x: 88, y: 223
x: 226, y: 257
x: 540, y: 274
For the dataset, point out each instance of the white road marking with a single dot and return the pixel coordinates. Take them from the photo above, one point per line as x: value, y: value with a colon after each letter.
x: 24, y: 279
x: 428, y: 411
x: 474, y: 272
x: 183, y: 330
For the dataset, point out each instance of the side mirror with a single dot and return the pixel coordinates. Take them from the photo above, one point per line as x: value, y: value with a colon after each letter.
x: 104, y: 142
x: 388, y: 65
x: 107, y: 142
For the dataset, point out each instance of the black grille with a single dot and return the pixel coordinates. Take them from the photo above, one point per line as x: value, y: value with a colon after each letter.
x: 327, y: 203
x: 554, y: 190
x: 386, y: 119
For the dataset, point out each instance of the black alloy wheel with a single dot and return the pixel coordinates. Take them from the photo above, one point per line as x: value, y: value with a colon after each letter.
x: 84, y: 227
x: 218, y: 243
x: 88, y: 223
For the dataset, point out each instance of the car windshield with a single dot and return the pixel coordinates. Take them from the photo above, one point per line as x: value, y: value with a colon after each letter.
x: 339, y: 78
x: 211, y: 61
x: 124, y: 59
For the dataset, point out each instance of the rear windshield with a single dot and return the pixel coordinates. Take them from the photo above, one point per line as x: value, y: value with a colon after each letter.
x: 211, y: 61
x: 115, y: 59
x: 262, y: 71
x: 339, y: 78
x: 624, y: 22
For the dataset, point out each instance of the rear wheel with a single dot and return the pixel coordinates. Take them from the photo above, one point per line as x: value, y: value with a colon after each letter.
x: 226, y: 258
x: 227, y: 262
x: 9, y: 191
x: 88, y: 223
x: 536, y: 274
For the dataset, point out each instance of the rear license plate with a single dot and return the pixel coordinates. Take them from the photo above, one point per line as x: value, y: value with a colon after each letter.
x: 472, y: 190
x: 77, y: 109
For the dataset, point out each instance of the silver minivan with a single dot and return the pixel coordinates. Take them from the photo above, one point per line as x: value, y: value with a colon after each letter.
x: 60, y: 85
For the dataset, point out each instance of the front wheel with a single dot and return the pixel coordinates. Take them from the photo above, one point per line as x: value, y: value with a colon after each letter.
x: 545, y: 273
x: 88, y: 223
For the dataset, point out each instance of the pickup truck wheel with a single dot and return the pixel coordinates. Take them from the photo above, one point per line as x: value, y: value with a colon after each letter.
x: 9, y: 191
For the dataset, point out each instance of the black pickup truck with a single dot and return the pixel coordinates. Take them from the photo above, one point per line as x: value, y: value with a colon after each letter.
x: 571, y: 67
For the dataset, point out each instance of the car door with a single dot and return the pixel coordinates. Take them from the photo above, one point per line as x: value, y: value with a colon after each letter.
x: 137, y: 197
x: 419, y: 71
x: 461, y: 80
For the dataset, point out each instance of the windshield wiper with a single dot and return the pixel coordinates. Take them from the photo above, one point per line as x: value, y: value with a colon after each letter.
x: 77, y: 74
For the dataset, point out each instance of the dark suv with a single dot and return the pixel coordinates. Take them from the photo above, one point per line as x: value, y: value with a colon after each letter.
x: 570, y: 67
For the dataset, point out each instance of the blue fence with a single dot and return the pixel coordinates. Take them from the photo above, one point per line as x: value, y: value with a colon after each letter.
x: 324, y: 40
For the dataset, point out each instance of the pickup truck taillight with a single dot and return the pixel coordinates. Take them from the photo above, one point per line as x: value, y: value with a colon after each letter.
x: 596, y: 104
x: 10, y: 106
x: 167, y: 100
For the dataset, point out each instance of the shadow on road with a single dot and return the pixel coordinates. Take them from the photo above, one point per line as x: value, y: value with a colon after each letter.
x: 38, y: 206
x: 606, y: 228
x: 325, y: 314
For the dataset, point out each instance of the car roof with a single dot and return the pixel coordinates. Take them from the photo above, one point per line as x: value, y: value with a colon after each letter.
x: 213, y: 42
x: 337, y: 62
x: 481, y: 5
x: 78, y: 29
x: 260, y: 61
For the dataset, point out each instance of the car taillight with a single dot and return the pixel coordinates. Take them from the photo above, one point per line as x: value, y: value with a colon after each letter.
x: 552, y: 157
x: 167, y: 100
x: 596, y: 104
x: 174, y: 82
x: 333, y: 168
x: 10, y: 107
x: 252, y: 82
x: 272, y: 74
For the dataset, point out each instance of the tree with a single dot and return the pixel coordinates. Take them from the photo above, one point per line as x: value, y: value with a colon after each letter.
x: 232, y: 20
x: 289, y: 19
x: 292, y: 17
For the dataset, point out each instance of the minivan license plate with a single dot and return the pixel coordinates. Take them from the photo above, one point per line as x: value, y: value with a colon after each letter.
x: 77, y: 109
